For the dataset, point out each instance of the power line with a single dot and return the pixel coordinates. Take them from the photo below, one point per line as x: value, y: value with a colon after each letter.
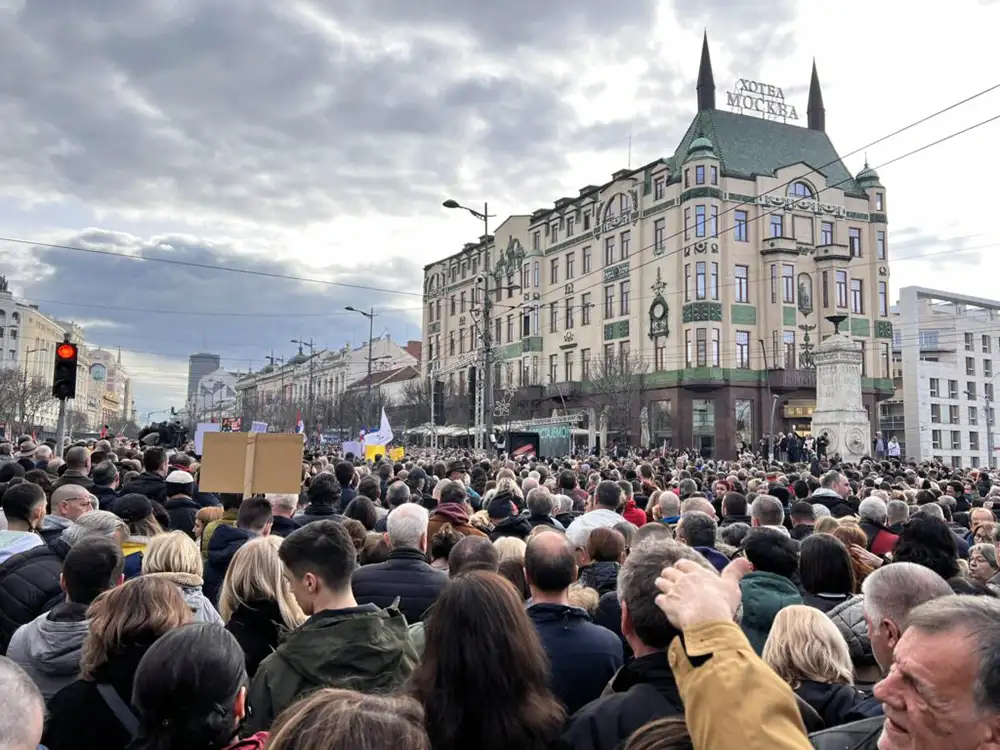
x: 206, y: 266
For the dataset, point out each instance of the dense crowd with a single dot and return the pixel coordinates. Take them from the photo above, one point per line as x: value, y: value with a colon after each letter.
x: 452, y: 601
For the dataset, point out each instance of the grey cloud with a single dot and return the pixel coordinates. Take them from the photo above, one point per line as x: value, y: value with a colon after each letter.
x: 941, y: 250
x: 157, y: 326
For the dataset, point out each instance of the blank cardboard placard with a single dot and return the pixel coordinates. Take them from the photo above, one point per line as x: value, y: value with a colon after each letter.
x: 251, y: 463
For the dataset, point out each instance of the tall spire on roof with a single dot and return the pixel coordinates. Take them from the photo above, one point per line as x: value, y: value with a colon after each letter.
x: 706, y: 81
x: 816, y: 113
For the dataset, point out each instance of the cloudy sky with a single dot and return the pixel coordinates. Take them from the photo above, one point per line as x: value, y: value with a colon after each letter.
x: 317, y: 139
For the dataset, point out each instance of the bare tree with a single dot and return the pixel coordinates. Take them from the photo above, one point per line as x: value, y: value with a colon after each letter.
x: 616, y: 383
x: 76, y: 421
x: 414, y: 403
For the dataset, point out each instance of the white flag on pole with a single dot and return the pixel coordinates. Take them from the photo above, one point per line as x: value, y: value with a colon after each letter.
x: 383, y: 436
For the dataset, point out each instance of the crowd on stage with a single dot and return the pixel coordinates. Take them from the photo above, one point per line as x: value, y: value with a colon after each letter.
x: 455, y: 600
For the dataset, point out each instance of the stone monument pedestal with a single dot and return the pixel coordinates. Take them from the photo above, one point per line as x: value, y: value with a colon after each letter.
x: 840, y: 413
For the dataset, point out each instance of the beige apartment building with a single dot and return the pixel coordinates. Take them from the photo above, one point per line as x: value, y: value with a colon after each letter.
x: 708, y: 275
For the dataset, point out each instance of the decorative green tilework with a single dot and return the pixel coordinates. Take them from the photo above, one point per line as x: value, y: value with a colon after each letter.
x: 744, y: 315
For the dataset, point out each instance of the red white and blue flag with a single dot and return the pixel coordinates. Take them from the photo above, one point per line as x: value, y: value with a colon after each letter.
x: 300, y: 426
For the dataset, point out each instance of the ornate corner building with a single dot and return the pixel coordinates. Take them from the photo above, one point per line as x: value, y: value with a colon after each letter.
x: 704, y: 278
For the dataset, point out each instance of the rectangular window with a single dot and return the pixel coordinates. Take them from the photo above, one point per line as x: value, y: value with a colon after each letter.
x: 953, y: 415
x: 701, y: 347
x: 688, y: 349
x: 699, y: 280
x: 789, y: 341
x: 553, y: 318
x: 569, y: 226
x: 973, y: 415
x: 713, y: 281
x: 451, y: 343
x: 586, y: 260
x: 973, y: 441
x: 774, y: 283
x: 687, y: 282
x: 585, y: 364
x: 936, y: 413
x: 659, y: 234
x: 687, y: 178
x: 743, y: 350
x: 970, y: 342
x: 687, y: 223
x: 568, y: 316
x: 952, y: 389
x: 510, y: 328
x: 510, y: 285
x: 568, y: 364
x: 716, y: 354
x: 570, y: 266
x: 609, y: 302
x: 777, y: 225
x: 987, y: 344
x: 660, y: 353
x: 554, y: 271
x: 988, y: 368
x: 713, y: 223
x: 554, y: 234
x: 935, y: 387
x: 626, y: 242
x: 742, y: 283
x: 536, y: 240
x: 451, y: 305
x: 842, y: 289
x: 699, y: 175
x: 880, y: 245
x: 658, y: 184
x: 883, y: 299
x: 609, y: 251
x: 970, y: 365
x: 886, y: 361
x: 715, y: 175
x: 498, y: 331
x: 936, y: 439
x: 461, y: 341
x: 854, y: 241
x: 970, y: 390
x: 609, y: 355
x: 788, y: 283
x: 624, y: 293
x: 956, y: 440
x: 864, y: 358
x: 699, y: 221
x: 740, y: 222
x: 857, y: 297
x: 586, y: 220
x: 585, y: 309
x: 879, y: 201
x: 826, y: 233
x: 553, y: 368
x: 826, y: 290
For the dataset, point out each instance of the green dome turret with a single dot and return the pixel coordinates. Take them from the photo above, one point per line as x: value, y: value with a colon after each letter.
x: 700, y: 148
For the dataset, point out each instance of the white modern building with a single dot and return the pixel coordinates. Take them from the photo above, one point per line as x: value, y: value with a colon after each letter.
x: 946, y: 357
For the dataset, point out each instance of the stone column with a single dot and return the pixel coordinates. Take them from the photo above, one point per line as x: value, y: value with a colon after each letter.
x: 840, y: 411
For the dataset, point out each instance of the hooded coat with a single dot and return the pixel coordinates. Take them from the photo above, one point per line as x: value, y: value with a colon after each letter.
x: 29, y: 586
x: 764, y: 595
x: 48, y: 648
x: 182, y: 511
x: 15, y: 542
x: 456, y: 515
x: 190, y: 586
x: 53, y: 526
x: 518, y: 527
x: 359, y: 648
x: 226, y: 542
x: 601, y: 576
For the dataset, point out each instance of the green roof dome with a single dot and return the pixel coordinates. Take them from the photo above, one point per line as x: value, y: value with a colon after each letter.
x: 267, y: 369
x: 299, y: 358
x: 701, y: 148
x: 868, y: 177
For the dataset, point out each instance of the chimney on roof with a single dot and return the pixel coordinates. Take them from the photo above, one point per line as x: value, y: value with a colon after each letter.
x: 706, y: 81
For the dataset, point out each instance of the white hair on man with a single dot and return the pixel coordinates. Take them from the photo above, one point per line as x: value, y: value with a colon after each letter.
x: 96, y: 523
x: 407, y: 527
x: 563, y: 503
x: 283, y: 503
x: 820, y: 510
x: 22, y: 708
x: 529, y: 484
x: 897, y: 511
x: 669, y: 504
x: 873, y: 509
x: 767, y: 510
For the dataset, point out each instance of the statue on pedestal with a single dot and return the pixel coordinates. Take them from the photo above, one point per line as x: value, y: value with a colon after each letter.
x: 644, y: 427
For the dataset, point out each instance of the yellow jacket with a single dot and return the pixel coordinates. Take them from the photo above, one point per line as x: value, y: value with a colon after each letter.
x: 732, y: 699
x: 228, y: 519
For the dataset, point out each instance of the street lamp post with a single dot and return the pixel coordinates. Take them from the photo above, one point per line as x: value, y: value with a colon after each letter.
x: 371, y: 332
x: 312, y: 359
x: 487, y: 374
x: 24, y: 388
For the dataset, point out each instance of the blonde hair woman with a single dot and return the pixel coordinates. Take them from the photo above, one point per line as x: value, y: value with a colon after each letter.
x: 256, y: 602
x: 510, y: 548
x: 176, y: 558
x: 807, y: 651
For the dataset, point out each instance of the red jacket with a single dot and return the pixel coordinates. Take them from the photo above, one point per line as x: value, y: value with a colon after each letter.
x: 256, y: 742
x: 633, y: 514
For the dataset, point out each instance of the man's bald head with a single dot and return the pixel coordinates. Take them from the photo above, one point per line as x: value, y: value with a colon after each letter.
x: 77, y: 459
x: 71, y: 501
x: 550, y: 563
x: 473, y: 553
x: 669, y: 504
x: 698, y: 504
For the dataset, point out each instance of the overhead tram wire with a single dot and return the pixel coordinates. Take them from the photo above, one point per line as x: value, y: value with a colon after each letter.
x: 217, y: 313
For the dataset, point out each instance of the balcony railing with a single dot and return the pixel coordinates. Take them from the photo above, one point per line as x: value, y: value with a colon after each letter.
x: 791, y: 379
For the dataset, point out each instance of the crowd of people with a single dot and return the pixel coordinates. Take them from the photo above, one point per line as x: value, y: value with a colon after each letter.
x: 455, y: 600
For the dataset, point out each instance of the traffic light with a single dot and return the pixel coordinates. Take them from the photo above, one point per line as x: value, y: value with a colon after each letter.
x: 64, y: 377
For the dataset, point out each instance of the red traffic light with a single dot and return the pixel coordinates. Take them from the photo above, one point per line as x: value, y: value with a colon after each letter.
x: 66, y: 351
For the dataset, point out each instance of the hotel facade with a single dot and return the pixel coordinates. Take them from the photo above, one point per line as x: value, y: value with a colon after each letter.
x: 702, y: 280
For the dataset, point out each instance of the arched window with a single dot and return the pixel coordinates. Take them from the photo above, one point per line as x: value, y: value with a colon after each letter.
x: 800, y: 190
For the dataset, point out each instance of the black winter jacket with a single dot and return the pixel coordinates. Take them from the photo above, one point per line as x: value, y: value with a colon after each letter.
x: 832, y: 702
x: 256, y: 626
x: 643, y: 690
x: 861, y: 735
x: 281, y: 526
x: 225, y: 542
x: 584, y: 656
x: 182, y: 511
x: 849, y: 617
x: 600, y: 576
x: 406, y: 575
x: 29, y: 586
x: 318, y: 513
x: 149, y: 484
x: 106, y: 497
x: 516, y: 526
